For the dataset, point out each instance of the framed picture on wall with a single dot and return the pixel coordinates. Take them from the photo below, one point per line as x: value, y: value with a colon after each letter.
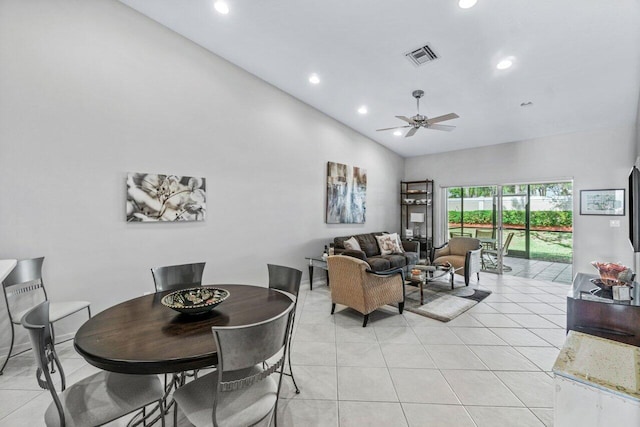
x: 602, y: 202
x: 346, y: 194
x: 161, y: 198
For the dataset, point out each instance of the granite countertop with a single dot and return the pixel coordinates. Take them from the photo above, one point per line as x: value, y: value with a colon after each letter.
x: 599, y: 362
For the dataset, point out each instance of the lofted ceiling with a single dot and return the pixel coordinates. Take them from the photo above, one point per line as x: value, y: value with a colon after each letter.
x: 576, y: 61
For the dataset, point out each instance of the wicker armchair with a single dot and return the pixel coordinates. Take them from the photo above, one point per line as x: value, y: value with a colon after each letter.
x: 463, y: 253
x: 355, y: 285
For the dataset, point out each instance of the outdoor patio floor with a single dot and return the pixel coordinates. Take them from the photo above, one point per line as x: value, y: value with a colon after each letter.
x: 541, y: 270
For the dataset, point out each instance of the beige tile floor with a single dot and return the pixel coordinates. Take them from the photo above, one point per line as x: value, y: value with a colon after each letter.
x: 488, y: 367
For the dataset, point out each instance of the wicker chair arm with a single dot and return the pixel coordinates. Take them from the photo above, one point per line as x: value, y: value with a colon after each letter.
x: 355, y: 254
x: 442, y: 250
x: 385, y: 273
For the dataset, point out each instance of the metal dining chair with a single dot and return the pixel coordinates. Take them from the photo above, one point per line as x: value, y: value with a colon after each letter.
x: 241, y: 392
x: 23, y: 288
x: 176, y: 277
x: 287, y: 279
x: 492, y: 254
x: 94, y: 400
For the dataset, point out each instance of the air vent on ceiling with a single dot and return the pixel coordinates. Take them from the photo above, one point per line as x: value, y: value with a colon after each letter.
x: 422, y: 55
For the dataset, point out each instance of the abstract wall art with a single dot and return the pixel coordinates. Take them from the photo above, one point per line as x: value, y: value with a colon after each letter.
x: 346, y: 194
x: 154, y: 197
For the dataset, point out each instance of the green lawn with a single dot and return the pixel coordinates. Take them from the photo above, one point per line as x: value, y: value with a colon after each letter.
x: 544, y: 245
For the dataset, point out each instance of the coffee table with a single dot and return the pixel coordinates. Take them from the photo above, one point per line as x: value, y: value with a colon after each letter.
x: 429, y: 273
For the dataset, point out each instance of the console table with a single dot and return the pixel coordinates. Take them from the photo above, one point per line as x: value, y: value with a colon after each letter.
x: 594, y: 311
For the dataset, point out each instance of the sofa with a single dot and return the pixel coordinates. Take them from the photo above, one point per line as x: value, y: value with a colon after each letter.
x: 370, y: 251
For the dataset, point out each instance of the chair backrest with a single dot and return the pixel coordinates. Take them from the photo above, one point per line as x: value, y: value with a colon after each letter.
x: 462, y: 245
x: 285, y: 279
x: 488, y: 234
x: 505, y: 247
x: 346, y: 269
x: 176, y: 277
x: 24, y: 287
x: 247, y: 348
x: 36, y: 322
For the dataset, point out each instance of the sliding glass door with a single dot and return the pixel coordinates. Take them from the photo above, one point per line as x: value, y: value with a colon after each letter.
x: 525, y: 221
x: 471, y: 209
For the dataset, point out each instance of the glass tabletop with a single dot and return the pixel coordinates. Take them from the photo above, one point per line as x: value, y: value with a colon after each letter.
x: 428, y: 272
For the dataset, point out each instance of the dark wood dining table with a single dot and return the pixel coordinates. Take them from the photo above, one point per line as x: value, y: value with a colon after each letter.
x: 142, y: 336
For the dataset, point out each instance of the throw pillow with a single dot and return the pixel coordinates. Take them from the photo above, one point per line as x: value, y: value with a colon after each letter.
x: 400, y: 247
x: 388, y: 244
x: 352, y: 244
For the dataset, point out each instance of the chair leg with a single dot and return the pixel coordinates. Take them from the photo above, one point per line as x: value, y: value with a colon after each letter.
x: 401, y: 307
x: 293, y: 320
x: 53, y: 340
x: 275, y: 414
x: 478, y: 275
x: 10, y: 349
x: 333, y: 308
x: 366, y: 319
x: 175, y: 414
x: 161, y: 404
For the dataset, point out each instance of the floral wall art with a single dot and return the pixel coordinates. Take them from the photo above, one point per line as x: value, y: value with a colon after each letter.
x: 153, y: 197
x: 346, y: 194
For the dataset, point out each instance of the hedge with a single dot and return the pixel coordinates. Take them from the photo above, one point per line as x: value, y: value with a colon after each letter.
x: 511, y: 217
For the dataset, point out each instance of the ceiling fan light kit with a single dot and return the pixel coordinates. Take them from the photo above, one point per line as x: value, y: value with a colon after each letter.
x: 419, y: 121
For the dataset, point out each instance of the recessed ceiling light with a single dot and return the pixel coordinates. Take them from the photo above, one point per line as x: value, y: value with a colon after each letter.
x: 221, y: 7
x: 314, y: 79
x: 466, y: 4
x: 362, y: 110
x: 397, y: 133
x: 504, y: 64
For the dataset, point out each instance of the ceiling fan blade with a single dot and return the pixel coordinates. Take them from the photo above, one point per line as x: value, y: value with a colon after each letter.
x: 411, y: 132
x: 397, y: 127
x: 406, y: 119
x: 442, y: 118
x: 441, y: 127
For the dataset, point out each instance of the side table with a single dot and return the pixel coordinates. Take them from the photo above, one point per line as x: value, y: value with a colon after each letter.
x: 316, y: 262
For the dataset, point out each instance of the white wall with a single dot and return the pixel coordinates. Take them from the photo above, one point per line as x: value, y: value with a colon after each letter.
x: 594, y: 160
x: 93, y: 90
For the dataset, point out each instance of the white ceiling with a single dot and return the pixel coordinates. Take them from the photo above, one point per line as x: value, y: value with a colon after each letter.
x: 578, y: 61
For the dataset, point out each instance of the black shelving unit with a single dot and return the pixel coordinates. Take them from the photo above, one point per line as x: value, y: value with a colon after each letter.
x: 416, y: 202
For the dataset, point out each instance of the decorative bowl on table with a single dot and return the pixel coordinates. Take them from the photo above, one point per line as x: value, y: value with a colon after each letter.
x: 195, y: 300
x: 612, y: 274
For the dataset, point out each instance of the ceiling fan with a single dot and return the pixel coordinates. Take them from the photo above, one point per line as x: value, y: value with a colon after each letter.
x: 419, y: 121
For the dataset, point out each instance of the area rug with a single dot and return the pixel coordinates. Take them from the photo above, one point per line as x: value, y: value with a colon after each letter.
x: 441, y: 302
